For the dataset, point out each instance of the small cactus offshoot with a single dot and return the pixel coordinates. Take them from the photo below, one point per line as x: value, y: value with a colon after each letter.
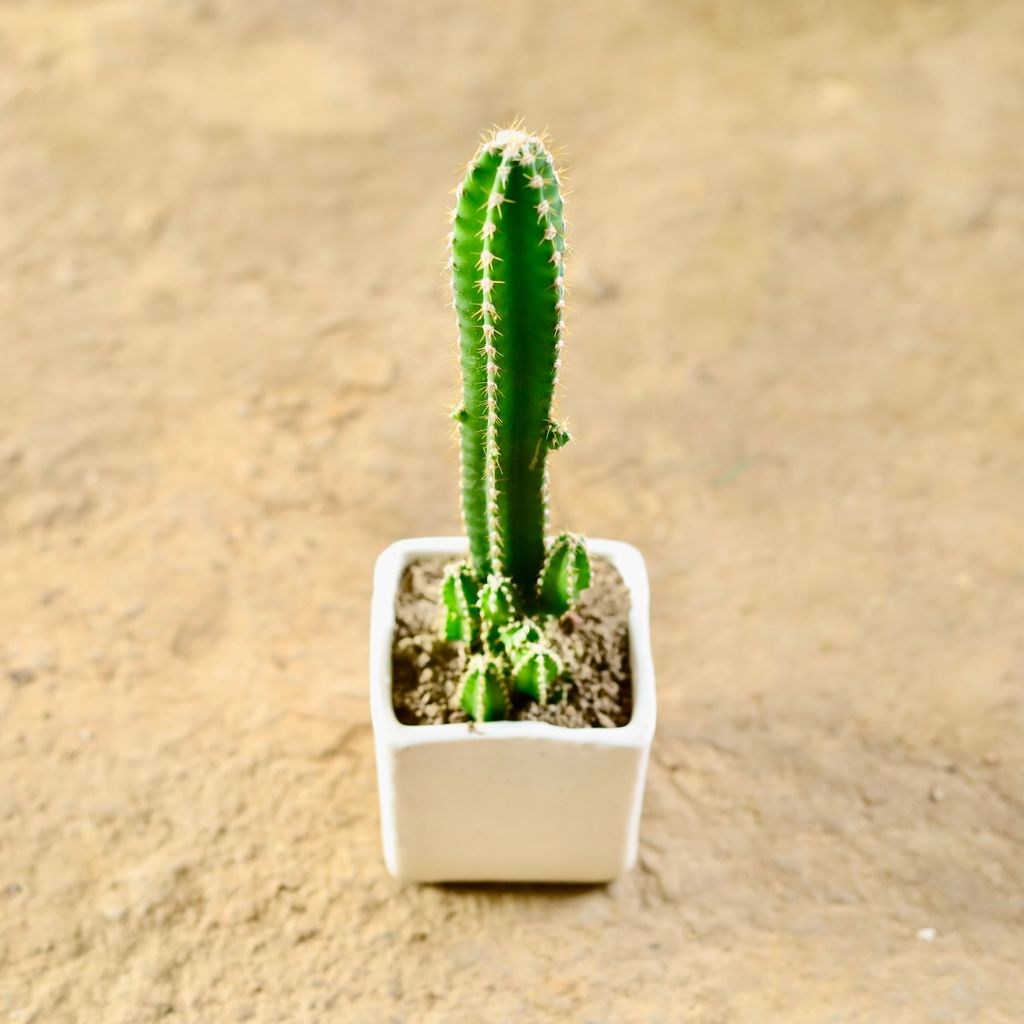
x: 565, y: 575
x: 506, y: 261
x: 484, y: 692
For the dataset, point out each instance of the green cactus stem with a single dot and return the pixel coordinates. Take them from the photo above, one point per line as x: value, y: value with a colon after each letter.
x: 497, y: 605
x: 518, y: 634
x: 484, y: 692
x: 507, y: 243
x: 566, y: 573
x: 536, y: 671
x: 459, y: 597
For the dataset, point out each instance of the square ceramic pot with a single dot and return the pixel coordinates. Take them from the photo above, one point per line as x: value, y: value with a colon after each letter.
x: 509, y: 801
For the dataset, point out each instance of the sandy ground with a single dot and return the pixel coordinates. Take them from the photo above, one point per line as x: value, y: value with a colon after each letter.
x: 794, y: 374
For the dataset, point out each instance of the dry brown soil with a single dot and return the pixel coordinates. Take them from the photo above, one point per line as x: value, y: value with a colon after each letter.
x: 795, y: 379
x: 591, y: 643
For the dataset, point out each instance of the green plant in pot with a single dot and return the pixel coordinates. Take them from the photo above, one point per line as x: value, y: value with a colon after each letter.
x: 535, y: 786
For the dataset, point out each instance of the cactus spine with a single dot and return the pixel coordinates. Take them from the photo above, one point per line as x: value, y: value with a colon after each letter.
x: 506, y: 260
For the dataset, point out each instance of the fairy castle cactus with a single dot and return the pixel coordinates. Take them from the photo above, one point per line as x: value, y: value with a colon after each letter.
x: 506, y: 262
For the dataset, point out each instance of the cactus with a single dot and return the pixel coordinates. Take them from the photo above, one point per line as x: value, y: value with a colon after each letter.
x: 459, y: 597
x: 566, y: 573
x: 484, y: 693
x: 506, y: 262
x: 535, y: 671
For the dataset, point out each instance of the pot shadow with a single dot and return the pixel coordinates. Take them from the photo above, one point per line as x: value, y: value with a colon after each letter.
x: 541, y: 890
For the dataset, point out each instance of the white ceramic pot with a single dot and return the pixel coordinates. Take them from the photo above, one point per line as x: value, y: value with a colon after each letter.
x: 509, y: 801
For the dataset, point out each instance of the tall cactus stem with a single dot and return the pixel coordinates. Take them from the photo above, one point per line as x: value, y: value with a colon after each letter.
x: 507, y: 246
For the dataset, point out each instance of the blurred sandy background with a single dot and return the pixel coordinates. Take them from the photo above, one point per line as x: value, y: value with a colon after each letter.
x: 794, y: 376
